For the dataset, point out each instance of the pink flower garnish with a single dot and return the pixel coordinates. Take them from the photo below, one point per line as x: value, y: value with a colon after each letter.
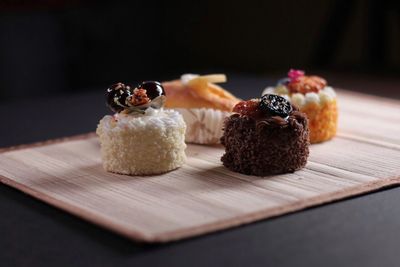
x: 294, y: 75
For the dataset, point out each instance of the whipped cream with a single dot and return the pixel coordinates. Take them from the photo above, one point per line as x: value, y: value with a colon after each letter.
x: 152, y: 118
x: 327, y: 94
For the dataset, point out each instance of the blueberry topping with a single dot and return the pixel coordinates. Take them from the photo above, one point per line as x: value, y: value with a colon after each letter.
x: 275, y: 105
x: 153, y: 89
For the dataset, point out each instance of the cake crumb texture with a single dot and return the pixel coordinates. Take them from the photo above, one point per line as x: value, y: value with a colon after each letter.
x: 142, y: 145
x: 262, y: 149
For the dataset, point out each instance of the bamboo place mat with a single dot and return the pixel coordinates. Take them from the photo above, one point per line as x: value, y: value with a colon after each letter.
x: 203, y: 196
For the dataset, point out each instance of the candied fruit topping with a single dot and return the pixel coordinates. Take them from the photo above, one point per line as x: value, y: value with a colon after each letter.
x: 294, y: 75
x: 307, y: 84
x: 268, y: 105
x: 300, y: 83
x: 249, y: 108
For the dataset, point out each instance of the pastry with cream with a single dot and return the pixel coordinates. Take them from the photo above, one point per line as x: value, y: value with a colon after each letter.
x: 141, y: 138
x: 203, y: 104
x: 315, y: 98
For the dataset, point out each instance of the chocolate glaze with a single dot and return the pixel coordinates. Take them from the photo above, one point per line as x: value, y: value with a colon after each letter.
x: 265, y: 146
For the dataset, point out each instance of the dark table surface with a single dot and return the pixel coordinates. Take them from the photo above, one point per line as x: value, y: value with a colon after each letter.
x: 361, y: 231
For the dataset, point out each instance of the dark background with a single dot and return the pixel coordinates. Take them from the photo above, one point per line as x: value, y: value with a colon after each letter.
x: 58, y: 47
x: 57, y: 57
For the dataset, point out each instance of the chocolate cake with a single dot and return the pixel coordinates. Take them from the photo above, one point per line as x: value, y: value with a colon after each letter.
x: 266, y: 136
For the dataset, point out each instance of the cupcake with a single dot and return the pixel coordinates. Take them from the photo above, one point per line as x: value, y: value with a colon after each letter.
x: 141, y: 138
x: 203, y: 105
x: 315, y: 98
x: 265, y: 136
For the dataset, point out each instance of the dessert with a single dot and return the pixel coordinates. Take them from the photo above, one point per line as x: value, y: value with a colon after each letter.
x: 315, y: 98
x: 265, y: 136
x: 141, y: 138
x: 203, y: 105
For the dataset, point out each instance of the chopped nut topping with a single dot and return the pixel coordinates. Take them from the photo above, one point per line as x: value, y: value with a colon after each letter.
x: 139, y: 97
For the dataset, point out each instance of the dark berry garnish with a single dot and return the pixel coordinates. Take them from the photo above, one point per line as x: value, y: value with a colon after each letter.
x: 275, y: 105
x: 249, y: 108
x: 153, y: 89
x: 117, y: 96
x: 147, y: 94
